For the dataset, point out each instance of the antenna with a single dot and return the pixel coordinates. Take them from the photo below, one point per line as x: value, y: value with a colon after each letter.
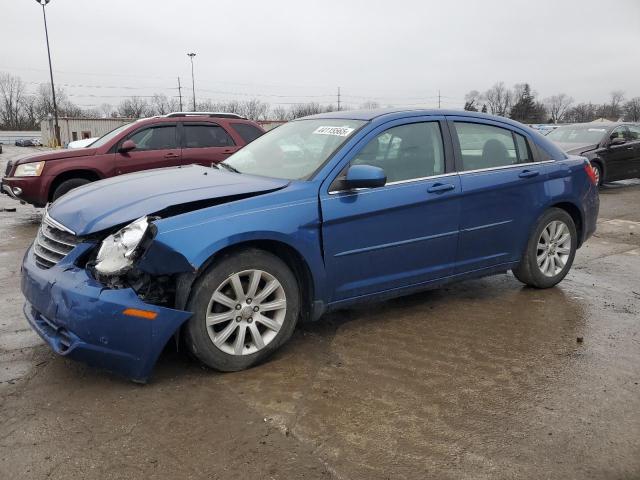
x: 180, y: 93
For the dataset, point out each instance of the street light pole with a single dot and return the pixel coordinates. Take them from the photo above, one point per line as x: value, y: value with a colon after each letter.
x: 53, y: 88
x: 193, y: 82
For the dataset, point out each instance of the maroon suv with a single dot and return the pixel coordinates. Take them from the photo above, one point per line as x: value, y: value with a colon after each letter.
x: 174, y: 139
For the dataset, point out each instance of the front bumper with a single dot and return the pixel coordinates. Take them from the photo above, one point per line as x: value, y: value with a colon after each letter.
x: 79, y: 318
x: 33, y: 189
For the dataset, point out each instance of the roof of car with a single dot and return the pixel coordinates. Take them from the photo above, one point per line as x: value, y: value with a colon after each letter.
x: 392, y: 113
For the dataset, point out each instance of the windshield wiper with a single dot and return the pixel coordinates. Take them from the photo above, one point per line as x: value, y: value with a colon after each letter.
x: 228, y: 167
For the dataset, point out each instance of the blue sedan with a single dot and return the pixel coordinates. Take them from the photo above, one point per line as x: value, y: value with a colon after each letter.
x: 320, y: 213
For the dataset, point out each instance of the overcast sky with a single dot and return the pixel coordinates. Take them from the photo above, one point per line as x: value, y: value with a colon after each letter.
x: 396, y: 52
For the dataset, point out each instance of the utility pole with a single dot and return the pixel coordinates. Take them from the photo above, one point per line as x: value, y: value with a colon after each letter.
x: 193, y: 82
x: 180, y: 93
x: 438, y: 98
x: 53, y: 88
x: 338, y: 98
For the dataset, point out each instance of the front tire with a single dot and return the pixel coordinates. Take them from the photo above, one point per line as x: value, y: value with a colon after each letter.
x: 244, y: 308
x: 550, y: 250
x: 67, y: 186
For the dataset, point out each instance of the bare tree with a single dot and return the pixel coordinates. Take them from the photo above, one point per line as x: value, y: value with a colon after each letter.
x: 160, y: 104
x: 253, y: 109
x: 370, y: 105
x: 632, y: 110
x: 107, y: 110
x: 498, y: 99
x: 615, y: 112
x: 472, y: 100
x: 11, y: 96
x: 134, y: 107
x: 279, y: 113
x: 557, y: 106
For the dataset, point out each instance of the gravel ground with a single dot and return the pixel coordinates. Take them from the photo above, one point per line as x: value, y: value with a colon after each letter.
x: 483, y: 379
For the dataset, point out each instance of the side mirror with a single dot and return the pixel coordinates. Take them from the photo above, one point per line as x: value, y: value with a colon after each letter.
x: 127, y: 146
x: 365, y: 176
x: 617, y: 141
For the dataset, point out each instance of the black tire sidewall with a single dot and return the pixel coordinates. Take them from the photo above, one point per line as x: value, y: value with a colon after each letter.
x: 539, y: 279
x: 196, y: 335
x: 67, y: 186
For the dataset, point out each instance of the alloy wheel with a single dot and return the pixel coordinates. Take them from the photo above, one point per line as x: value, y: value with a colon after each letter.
x: 554, y: 248
x: 246, y: 312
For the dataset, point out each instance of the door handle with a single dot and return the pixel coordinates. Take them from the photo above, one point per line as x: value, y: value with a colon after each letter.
x: 440, y: 187
x: 171, y: 155
x: 227, y: 152
x: 528, y: 173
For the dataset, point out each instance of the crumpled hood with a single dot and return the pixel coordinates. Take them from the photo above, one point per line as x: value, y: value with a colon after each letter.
x: 119, y: 200
x: 576, y: 148
x: 57, y: 155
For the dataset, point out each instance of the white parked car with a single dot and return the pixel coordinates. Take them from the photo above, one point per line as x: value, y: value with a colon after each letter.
x: 85, y: 142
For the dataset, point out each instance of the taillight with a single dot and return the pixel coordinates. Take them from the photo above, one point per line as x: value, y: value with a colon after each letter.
x: 590, y: 173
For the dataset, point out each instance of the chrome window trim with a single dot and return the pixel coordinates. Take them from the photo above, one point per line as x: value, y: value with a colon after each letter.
x: 411, y: 180
x: 503, y: 167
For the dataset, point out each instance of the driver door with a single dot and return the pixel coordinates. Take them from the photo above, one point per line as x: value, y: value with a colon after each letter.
x: 402, y: 234
x: 156, y: 147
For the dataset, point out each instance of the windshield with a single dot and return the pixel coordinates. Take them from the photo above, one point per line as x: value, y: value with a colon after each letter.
x: 294, y: 150
x: 577, y: 134
x: 107, y: 137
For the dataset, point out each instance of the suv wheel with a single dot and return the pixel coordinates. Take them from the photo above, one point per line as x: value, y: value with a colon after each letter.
x: 67, y: 186
x: 244, y: 308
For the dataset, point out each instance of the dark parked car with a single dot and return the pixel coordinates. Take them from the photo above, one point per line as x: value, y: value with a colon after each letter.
x: 28, y: 142
x: 612, y: 148
x: 320, y: 213
x: 171, y: 140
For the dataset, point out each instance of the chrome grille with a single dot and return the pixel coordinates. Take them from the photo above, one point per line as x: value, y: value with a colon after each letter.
x: 52, y: 244
x: 8, y: 169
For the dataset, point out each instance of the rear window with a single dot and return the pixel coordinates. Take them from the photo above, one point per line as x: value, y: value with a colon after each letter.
x: 247, y: 131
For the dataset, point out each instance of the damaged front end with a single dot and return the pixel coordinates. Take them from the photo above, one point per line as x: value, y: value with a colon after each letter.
x: 97, y: 306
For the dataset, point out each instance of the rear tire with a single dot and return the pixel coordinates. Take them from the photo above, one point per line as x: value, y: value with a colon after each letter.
x: 67, y: 186
x: 550, y: 250
x: 228, y: 338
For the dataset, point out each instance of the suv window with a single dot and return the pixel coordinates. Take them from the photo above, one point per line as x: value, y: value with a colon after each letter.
x: 486, y: 146
x: 406, y: 152
x: 246, y: 131
x: 156, y: 138
x: 201, y: 136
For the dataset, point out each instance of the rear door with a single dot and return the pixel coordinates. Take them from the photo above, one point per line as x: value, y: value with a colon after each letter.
x: 156, y: 147
x: 633, y: 132
x: 205, y: 143
x: 404, y: 233
x: 502, y: 185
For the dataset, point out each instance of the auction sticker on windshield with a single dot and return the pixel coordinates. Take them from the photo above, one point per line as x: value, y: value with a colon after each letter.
x: 337, y: 131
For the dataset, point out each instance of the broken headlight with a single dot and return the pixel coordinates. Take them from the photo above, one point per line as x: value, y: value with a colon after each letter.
x: 119, y: 250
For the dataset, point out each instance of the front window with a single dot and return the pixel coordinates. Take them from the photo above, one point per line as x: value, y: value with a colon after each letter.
x: 578, y: 134
x: 294, y: 150
x: 406, y: 152
x: 107, y: 137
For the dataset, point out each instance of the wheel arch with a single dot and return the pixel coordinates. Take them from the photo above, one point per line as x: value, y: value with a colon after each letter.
x: 85, y: 173
x: 285, y: 252
x: 576, y: 215
x: 598, y: 161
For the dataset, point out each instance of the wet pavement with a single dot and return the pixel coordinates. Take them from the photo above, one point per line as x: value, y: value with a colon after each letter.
x: 482, y: 379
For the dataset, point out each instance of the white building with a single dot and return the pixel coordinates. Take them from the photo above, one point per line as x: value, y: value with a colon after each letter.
x: 72, y: 128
